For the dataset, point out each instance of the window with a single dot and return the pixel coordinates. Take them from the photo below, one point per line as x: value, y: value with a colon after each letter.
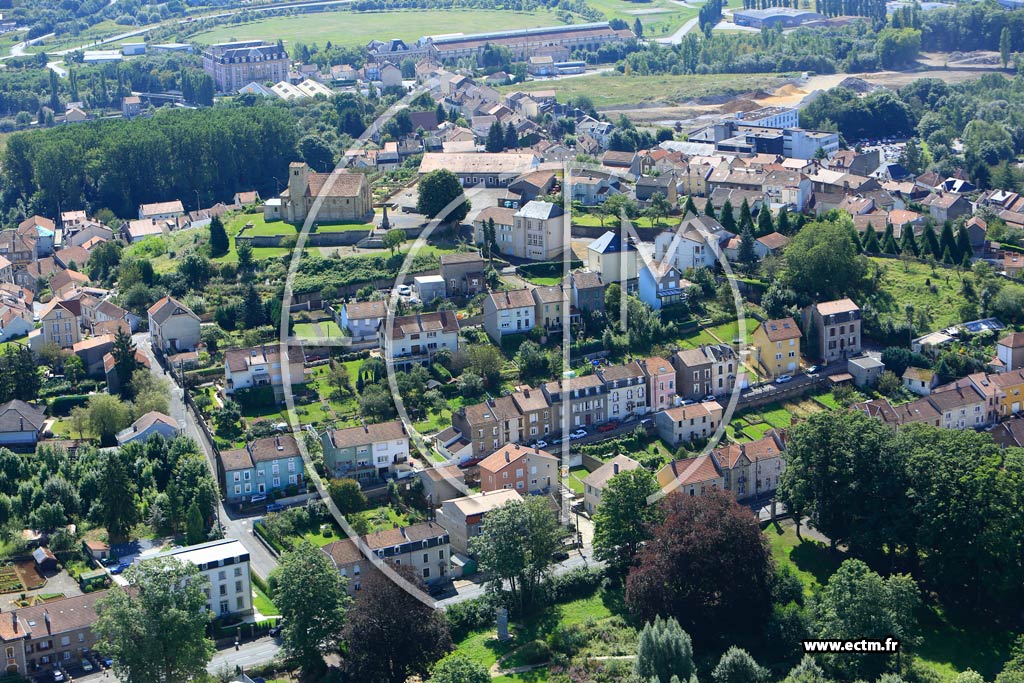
x: 426, y: 557
x: 440, y: 554
x: 221, y: 576
x: 223, y: 589
x: 65, y: 641
x: 81, y: 637
x: 426, y: 572
x: 238, y: 586
x: 241, y: 603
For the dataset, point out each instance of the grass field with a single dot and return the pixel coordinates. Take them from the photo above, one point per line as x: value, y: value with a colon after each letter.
x: 660, y: 17
x: 908, y: 283
x: 355, y: 29
x: 89, y: 35
x: 264, y: 604
x: 612, y: 89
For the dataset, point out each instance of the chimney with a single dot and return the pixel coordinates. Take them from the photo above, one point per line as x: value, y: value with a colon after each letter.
x: 615, y: 468
x: 14, y: 621
x: 46, y: 618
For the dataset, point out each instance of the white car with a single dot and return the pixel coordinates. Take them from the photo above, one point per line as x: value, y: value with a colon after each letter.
x: 404, y: 290
x: 541, y: 443
x: 578, y: 434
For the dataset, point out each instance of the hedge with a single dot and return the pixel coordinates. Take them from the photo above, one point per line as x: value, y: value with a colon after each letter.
x: 62, y: 405
x: 548, y: 268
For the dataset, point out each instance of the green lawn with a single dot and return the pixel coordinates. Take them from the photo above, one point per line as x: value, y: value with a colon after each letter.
x: 575, y: 480
x: 318, y: 330
x: 659, y: 17
x: 320, y: 539
x: 16, y: 342
x: 263, y: 604
x: 812, y: 562
x: 612, y: 89
x: 355, y: 29
x: 383, y: 517
x: 544, y: 281
x: 593, y: 221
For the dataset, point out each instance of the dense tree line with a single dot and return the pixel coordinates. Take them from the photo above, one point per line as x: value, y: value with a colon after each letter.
x: 942, y: 504
x: 121, y: 164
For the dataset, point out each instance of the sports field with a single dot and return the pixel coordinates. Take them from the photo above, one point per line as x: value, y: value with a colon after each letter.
x: 359, y: 28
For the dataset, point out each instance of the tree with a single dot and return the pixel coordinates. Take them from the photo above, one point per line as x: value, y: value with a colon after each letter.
x: 908, y: 244
x: 155, y: 628
x: 253, y: 312
x: 1004, y: 46
x: 107, y: 416
x: 511, y: 137
x: 312, y: 599
x: 348, y: 495
x: 690, y: 207
x: 80, y: 420
x: 495, y: 141
x: 709, y: 208
x: 125, y: 363
x: 74, y: 370
x: 726, y: 216
x: 246, y: 262
x: 747, y: 255
x: 315, y: 151
x: 807, y: 671
x: 440, y: 114
x: 870, y: 243
x: 823, y: 263
x: 764, y: 222
x: 393, y: 239
x: 679, y: 570
x: 532, y: 360
x: 486, y: 360
x: 195, y: 269
x: 858, y: 603
x: 515, y: 546
x: 659, y: 209
x: 623, y: 519
x: 458, y: 668
x: 664, y: 653
x: 195, y: 531
x: 947, y: 244
x: 389, y: 634
x: 219, y: 244
x: 116, y: 508
x: 746, y: 221
x: 436, y: 191
x: 638, y: 28
x: 963, y: 245
x: 737, y: 666
x: 782, y: 222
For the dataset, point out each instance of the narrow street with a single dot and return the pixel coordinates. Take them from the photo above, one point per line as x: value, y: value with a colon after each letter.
x: 240, y: 528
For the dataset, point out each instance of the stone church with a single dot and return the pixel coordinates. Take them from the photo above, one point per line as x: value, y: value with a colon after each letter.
x: 347, y: 200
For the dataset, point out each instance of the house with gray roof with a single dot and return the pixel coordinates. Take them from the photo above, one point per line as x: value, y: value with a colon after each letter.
x: 21, y: 425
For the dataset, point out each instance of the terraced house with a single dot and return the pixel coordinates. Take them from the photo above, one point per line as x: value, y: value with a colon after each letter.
x: 366, y: 453
x: 35, y: 639
x: 424, y: 547
x: 264, y: 466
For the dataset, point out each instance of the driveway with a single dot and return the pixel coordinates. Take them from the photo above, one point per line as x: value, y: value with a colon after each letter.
x: 237, y: 527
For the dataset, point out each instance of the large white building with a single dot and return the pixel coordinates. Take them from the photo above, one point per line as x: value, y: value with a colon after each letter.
x: 226, y: 564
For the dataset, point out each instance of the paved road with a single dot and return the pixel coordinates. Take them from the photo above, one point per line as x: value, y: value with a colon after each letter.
x: 240, y: 528
x: 677, y: 37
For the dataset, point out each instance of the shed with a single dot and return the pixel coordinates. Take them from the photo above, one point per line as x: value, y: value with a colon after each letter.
x: 94, y: 580
x: 865, y: 370
x: 44, y: 557
x: 429, y: 287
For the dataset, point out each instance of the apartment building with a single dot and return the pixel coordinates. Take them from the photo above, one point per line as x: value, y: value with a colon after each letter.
x: 692, y: 476
x: 752, y: 469
x: 60, y: 323
x: 425, y: 547
x: 521, y: 417
x: 682, y: 424
x: 414, y: 339
x: 463, y: 518
x: 366, y: 453
x: 776, y: 346
x: 36, y: 639
x: 263, y: 466
x: 708, y: 370
x: 509, y: 312
x: 237, y: 64
x: 520, y: 468
x: 225, y: 564
x: 579, y: 401
x: 626, y: 388
x: 837, y: 329
x: 259, y: 366
x: 660, y: 376
x: 538, y: 231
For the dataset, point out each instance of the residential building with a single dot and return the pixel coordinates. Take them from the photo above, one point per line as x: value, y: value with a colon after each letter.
x: 961, y: 407
x: 416, y: 338
x: 43, y: 231
x: 539, y: 231
x: 648, y: 186
x: 943, y: 207
x: 425, y: 547
x: 21, y: 425
x: 464, y: 518
x: 429, y: 287
x: 521, y: 468
x: 661, y: 382
x: 626, y: 388
x: 153, y: 423
x: 225, y: 564
x: 504, y: 220
x: 58, y: 632
x: 173, y: 327
x: 682, y: 424
x: 366, y: 453
x: 442, y: 483
x: 836, y: 328
x: 776, y: 347
x: 708, y: 370
x: 237, y: 64
x: 362, y: 318
x: 509, y: 312
x: 692, y: 476
x: 525, y: 43
x: 263, y: 466
x: 463, y: 273
x: 1010, y: 352
x: 346, y: 197
x: 593, y: 188
x: 551, y: 303
x: 866, y: 369
x: 595, y: 483
x: 18, y: 246
x: 919, y: 381
x: 588, y: 291
x: 694, y: 244
x: 615, y: 259
x: 754, y: 468
x: 60, y: 323
x: 161, y: 210
x: 577, y: 401
x: 521, y: 417
x: 259, y: 366
x: 496, y: 169
x: 661, y: 284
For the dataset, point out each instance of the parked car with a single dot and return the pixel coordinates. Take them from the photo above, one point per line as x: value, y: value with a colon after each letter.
x: 708, y: 398
x: 559, y: 556
x: 87, y: 665
x: 782, y: 379
x: 58, y: 675
x: 258, y: 498
x: 608, y: 427
x: 541, y: 443
x: 275, y: 507
x: 578, y: 434
x: 815, y: 368
x: 404, y: 290
x: 280, y: 427
x: 120, y: 567
x: 470, y: 463
x: 688, y: 402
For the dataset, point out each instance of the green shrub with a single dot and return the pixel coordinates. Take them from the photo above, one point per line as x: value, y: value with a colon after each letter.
x: 534, y: 652
x: 62, y: 405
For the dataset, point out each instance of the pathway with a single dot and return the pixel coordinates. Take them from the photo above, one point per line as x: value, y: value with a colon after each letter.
x: 677, y: 37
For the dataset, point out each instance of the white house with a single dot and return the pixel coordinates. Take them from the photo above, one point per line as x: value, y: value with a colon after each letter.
x: 361, y: 318
x: 416, y: 338
x: 367, y: 452
x: 146, y: 426
x: 261, y: 366
x: 173, y: 327
x: 509, y: 312
x: 225, y: 563
x: 161, y: 210
x: 626, y: 387
x: 595, y: 483
x: 661, y: 284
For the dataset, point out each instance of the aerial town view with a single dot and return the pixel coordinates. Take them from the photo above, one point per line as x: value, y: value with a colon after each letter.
x: 532, y: 341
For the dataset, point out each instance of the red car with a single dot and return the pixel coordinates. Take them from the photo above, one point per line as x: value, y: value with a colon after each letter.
x: 608, y: 426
